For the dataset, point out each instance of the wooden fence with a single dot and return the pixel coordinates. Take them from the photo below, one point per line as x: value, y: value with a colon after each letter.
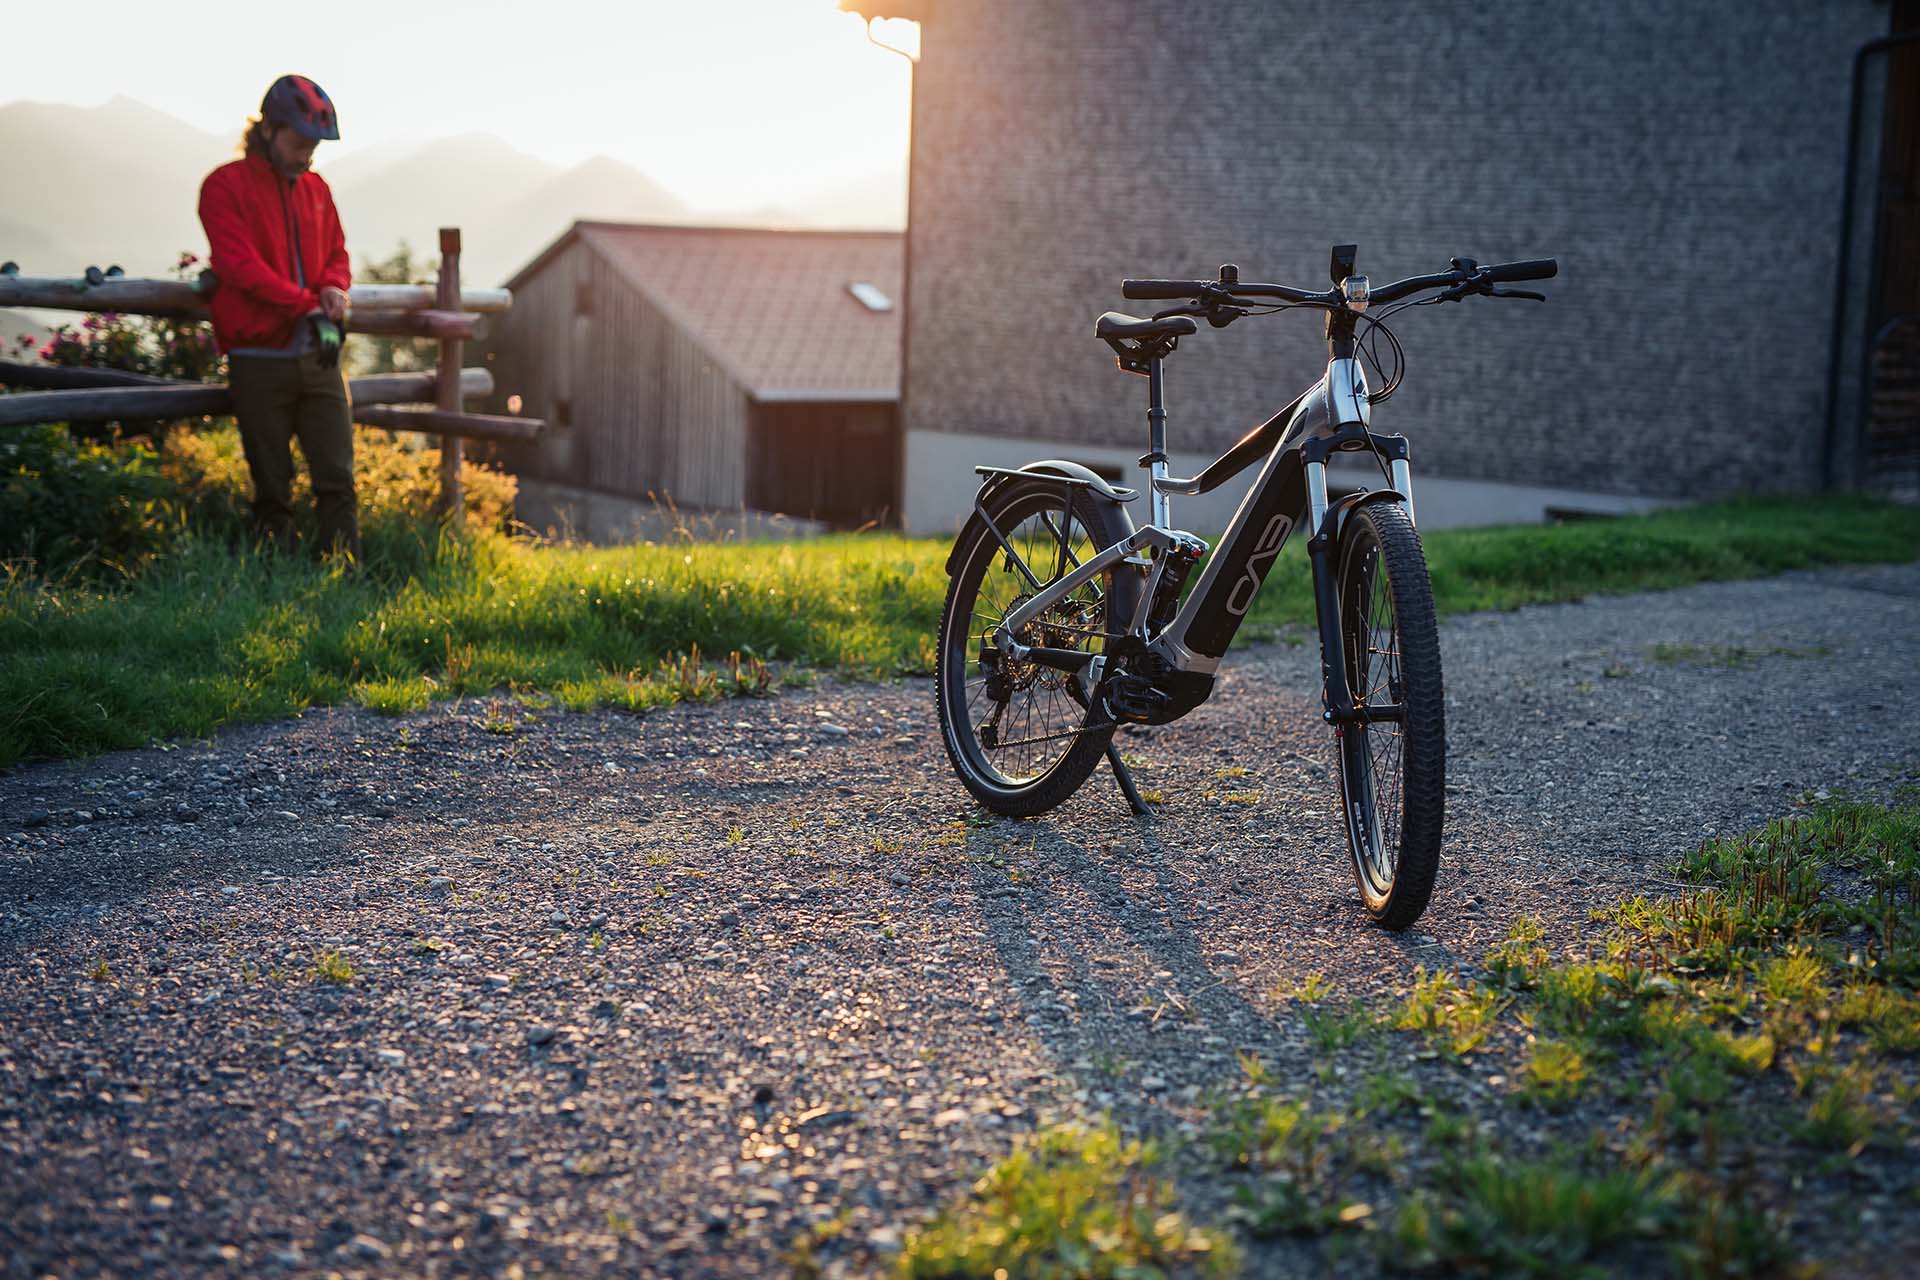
x: 442, y: 311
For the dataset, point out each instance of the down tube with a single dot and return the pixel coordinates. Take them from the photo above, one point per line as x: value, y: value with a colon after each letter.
x: 1233, y: 577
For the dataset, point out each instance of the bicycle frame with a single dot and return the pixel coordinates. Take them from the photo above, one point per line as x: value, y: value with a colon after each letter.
x: 1331, y: 416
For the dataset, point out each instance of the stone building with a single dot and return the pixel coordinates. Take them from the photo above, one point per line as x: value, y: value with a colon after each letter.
x: 1683, y: 162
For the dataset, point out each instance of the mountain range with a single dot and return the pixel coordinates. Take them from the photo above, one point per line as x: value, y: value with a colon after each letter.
x: 118, y: 183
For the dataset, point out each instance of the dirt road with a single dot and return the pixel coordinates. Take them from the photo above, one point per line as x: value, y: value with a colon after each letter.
x: 618, y: 994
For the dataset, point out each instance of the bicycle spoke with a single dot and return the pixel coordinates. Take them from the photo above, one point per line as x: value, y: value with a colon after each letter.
x: 1373, y: 761
x: 1038, y: 717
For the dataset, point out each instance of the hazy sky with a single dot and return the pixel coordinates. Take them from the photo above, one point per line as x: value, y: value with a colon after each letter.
x: 727, y: 102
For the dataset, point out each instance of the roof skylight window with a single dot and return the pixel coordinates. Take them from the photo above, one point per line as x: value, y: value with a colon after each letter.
x: 870, y: 296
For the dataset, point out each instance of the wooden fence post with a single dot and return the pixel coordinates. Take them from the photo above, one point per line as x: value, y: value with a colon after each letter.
x: 447, y: 397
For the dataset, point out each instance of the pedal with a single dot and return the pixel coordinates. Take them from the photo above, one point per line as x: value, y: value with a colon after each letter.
x: 1131, y: 698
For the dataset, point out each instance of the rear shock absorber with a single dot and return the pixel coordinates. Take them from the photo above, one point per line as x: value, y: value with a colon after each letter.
x: 1180, y: 559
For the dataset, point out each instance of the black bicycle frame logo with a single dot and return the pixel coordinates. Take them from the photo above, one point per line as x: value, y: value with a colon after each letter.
x: 1259, y: 563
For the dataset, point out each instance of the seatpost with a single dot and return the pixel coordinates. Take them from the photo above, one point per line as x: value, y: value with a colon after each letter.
x: 1159, y: 508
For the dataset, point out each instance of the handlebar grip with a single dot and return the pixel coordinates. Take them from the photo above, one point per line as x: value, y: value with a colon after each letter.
x: 1162, y: 288
x: 1531, y: 269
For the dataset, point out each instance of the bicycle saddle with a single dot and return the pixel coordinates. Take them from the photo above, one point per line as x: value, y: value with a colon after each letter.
x: 1114, y: 325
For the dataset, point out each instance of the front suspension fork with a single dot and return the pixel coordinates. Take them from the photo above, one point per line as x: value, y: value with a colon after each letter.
x: 1338, y: 705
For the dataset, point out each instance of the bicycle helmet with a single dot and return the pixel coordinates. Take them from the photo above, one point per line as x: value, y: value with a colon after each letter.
x: 303, y: 106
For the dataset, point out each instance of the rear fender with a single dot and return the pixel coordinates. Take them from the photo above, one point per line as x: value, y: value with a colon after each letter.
x: 1072, y: 473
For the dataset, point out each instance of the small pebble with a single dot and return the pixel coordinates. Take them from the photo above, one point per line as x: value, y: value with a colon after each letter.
x: 371, y: 1248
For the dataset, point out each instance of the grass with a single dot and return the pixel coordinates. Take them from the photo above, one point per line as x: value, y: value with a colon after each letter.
x: 1502, y: 1216
x: 1072, y: 1202
x: 1732, y: 1055
x: 1454, y: 1017
x: 332, y: 968
x: 211, y: 636
x: 1739, y: 657
x: 1303, y: 1160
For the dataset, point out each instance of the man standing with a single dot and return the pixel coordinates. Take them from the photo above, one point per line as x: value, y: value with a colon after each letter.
x: 280, y: 311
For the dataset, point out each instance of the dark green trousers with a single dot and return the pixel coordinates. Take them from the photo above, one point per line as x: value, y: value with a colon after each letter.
x: 279, y: 398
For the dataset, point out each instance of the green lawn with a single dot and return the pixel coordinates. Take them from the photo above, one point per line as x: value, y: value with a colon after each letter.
x: 211, y: 636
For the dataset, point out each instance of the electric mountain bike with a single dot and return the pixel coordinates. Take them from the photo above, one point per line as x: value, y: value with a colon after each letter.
x: 1063, y: 621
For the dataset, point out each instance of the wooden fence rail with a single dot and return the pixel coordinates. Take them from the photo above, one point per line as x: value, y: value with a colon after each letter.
x: 471, y: 426
x: 442, y: 311
x: 141, y: 398
x: 188, y: 298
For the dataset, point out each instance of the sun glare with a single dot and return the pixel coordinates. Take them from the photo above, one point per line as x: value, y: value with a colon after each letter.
x: 728, y: 103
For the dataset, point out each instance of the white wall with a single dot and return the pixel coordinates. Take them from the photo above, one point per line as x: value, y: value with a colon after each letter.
x: 939, y: 485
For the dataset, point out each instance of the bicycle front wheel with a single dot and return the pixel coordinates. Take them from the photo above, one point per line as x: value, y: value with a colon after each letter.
x: 1393, y: 770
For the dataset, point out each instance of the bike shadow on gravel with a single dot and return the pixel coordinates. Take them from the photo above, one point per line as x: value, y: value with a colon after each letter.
x: 1060, y: 961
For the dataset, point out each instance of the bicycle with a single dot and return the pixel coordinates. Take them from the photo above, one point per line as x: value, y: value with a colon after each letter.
x: 1089, y: 624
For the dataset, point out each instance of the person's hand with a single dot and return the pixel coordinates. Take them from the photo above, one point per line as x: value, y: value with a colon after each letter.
x: 333, y: 302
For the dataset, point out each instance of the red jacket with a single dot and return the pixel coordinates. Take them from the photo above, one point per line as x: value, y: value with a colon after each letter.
x: 252, y: 216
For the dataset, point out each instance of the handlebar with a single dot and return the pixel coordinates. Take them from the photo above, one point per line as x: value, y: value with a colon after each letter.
x: 1465, y: 272
x: 1527, y: 269
x: 1164, y: 288
x: 1213, y: 288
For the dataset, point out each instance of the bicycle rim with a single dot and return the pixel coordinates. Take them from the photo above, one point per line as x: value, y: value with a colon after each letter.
x: 1044, y: 715
x: 1373, y: 756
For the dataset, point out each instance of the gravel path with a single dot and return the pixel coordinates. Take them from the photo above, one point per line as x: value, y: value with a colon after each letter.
x: 652, y: 994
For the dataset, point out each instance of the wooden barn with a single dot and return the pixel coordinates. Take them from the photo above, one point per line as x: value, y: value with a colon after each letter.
x: 723, y: 368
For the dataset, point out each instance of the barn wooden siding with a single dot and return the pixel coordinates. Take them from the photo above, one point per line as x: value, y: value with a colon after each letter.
x: 633, y: 405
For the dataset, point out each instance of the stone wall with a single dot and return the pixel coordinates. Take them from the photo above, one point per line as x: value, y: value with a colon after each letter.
x: 1683, y: 162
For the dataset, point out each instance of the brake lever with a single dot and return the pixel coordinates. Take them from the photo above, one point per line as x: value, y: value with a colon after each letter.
x: 1517, y: 293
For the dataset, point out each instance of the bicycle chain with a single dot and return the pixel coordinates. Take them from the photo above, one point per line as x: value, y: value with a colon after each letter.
x: 1050, y: 737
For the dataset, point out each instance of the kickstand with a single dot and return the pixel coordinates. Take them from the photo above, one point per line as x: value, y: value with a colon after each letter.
x: 1124, y: 777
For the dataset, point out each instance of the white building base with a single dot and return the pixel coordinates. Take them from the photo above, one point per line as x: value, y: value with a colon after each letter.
x: 939, y: 485
x: 607, y: 519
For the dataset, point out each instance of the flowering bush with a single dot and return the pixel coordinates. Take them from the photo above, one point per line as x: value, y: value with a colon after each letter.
x: 77, y: 506
x: 72, y: 507
x: 392, y: 482
x: 160, y: 346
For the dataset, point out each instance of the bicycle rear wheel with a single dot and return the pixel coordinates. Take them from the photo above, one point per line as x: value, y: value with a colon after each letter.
x: 1392, y: 771
x: 1022, y: 737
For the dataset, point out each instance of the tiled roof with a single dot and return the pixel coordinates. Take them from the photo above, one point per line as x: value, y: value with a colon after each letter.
x: 771, y: 307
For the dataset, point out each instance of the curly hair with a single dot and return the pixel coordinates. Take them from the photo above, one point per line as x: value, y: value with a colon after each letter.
x: 253, y: 137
